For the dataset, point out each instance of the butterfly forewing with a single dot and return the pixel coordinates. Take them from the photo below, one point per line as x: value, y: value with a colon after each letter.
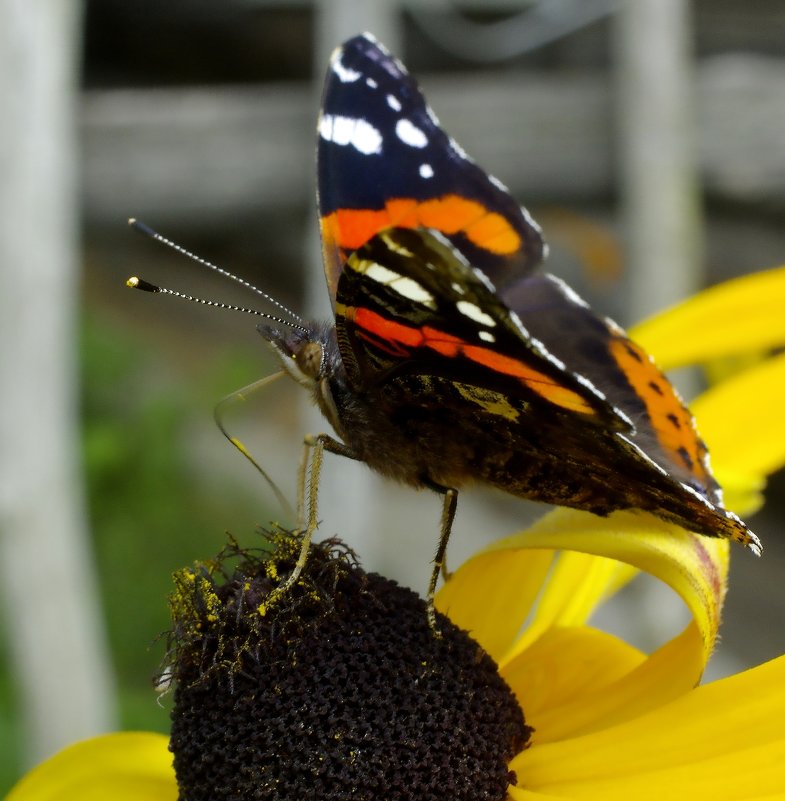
x: 408, y: 303
x: 384, y: 161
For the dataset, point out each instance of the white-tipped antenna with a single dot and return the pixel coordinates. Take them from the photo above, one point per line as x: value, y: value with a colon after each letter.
x: 139, y: 283
x: 145, y: 229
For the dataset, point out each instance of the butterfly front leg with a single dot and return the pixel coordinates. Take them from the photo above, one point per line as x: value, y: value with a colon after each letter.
x: 313, y: 455
x: 310, y: 473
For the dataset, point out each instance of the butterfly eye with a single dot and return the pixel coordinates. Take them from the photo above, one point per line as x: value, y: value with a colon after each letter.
x: 309, y: 359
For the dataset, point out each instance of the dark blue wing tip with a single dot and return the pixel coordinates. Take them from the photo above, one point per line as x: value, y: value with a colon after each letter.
x: 366, y: 47
x: 364, y: 42
x: 360, y: 46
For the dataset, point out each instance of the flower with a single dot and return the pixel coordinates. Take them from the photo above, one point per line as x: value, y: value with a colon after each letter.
x: 343, y: 685
x: 609, y: 722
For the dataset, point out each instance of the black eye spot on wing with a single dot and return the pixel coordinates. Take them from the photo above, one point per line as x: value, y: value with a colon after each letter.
x: 686, y: 458
x: 633, y: 353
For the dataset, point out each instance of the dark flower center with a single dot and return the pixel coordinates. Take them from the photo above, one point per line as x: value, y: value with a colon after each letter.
x: 340, y: 690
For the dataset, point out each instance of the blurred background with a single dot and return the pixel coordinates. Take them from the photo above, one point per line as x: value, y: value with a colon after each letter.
x: 645, y: 137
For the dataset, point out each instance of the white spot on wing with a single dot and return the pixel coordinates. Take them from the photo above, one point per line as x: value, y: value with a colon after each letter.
x: 378, y: 272
x: 394, y: 103
x: 487, y: 336
x: 397, y: 247
x: 400, y: 284
x: 426, y: 171
x: 410, y: 134
x: 371, y: 82
x: 358, y: 133
x: 458, y: 289
x: 474, y: 312
x: 344, y: 74
x: 409, y: 288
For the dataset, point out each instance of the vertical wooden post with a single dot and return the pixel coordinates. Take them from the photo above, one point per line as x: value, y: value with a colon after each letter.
x: 46, y: 570
x: 656, y: 129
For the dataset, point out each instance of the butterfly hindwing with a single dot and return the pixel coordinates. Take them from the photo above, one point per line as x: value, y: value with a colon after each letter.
x: 384, y: 161
x: 600, y: 350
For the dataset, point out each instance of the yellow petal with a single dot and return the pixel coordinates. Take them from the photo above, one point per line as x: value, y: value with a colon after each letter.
x: 669, y: 672
x: 520, y: 794
x: 136, y: 766
x: 575, y: 587
x: 703, y: 328
x: 694, y: 566
x: 741, y: 419
x: 721, y: 742
x: 561, y: 669
x: 492, y: 594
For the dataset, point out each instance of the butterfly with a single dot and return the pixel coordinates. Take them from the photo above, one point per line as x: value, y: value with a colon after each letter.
x: 451, y: 360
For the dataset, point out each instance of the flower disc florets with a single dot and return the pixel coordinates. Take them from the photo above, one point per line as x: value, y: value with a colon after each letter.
x: 340, y: 690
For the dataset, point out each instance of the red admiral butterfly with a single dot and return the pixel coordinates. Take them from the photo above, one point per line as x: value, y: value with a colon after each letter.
x: 450, y: 360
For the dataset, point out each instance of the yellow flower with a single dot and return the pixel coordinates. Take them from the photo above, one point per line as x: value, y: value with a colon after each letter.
x: 610, y: 722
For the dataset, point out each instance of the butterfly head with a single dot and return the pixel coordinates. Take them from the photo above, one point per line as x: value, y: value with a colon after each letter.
x: 308, y: 353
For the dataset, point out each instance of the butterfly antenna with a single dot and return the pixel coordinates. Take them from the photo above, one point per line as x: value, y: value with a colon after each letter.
x: 139, y: 283
x: 145, y: 229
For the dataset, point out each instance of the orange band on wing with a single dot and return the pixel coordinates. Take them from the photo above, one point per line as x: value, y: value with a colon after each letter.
x: 450, y: 214
x: 352, y: 228
x: 382, y: 327
x: 451, y: 346
x: 542, y: 384
x: 671, y: 420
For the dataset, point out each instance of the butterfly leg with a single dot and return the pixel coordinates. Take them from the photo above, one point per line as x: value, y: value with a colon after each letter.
x: 448, y: 515
x: 315, y: 447
x: 302, y: 472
